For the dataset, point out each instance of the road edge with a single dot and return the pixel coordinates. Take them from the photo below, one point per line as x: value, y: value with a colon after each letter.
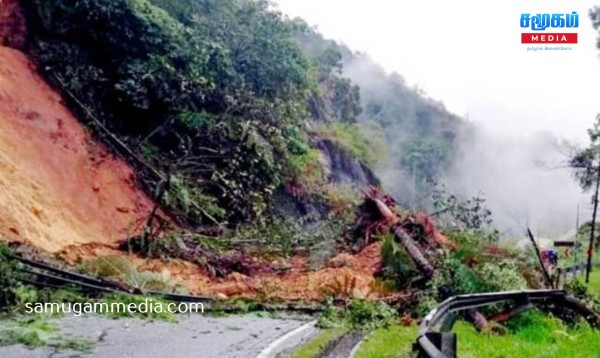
x: 276, y: 344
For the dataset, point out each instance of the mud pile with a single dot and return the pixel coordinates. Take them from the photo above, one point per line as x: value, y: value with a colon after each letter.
x: 57, y: 186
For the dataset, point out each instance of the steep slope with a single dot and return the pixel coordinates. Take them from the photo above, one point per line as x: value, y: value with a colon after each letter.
x: 57, y: 186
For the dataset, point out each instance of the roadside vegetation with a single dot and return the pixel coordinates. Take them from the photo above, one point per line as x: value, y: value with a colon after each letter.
x: 38, y: 331
x: 255, y: 135
x: 594, y: 285
x: 319, y: 343
x: 531, y: 334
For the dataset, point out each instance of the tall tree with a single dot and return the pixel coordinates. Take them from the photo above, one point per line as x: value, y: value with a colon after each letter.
x: 586, y: 165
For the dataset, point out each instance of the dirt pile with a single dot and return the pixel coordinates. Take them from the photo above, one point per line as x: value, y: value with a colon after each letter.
x: 57, y: 186
x: 344, y: 276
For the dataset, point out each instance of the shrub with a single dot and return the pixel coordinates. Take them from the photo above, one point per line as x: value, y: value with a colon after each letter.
x: 503, y: 276
x: 192, y: 202
x: 360, y: 314
x: 581, y: 292
x: 369, y: 315
x: 35, y: 332
x: 396, y: 264
x: 8, y: 280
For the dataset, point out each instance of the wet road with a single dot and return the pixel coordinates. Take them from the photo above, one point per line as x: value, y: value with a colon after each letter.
x: 193, y: 336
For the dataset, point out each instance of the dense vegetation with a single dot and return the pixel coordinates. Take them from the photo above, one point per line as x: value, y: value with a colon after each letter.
x: 226, y: 108
x: 421, y: 136
x: 218, y: 104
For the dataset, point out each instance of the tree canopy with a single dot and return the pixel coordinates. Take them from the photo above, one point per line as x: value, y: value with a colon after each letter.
x: 223, y: 99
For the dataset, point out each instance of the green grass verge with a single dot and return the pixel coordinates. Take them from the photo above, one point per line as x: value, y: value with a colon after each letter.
x: 392, y: 342
x: 37, y: 331
x: 549, y: 339
x: 316, y: 345
x: 530, y: 335
x: 594, y: 285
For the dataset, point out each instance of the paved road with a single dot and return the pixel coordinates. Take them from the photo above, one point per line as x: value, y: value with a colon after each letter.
x: 193, y: 336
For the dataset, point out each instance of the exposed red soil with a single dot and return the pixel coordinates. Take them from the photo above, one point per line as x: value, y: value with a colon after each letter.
x: 62, y: 192
x: 57, y: 186
x: 346, y: 275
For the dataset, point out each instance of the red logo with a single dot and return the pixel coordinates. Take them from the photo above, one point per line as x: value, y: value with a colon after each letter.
x: 549, y: 38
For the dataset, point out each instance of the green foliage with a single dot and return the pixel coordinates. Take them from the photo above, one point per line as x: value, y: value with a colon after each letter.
x: 531, y: 334
x: 420, y: 136
x: 396, y: 264
x: 585, y: 162
x: 8, y: 280
x: 470, y: 214
x: 390, y: 342
x: 360, y: 314
x: 369, y: 315
x: 205, y: 89
x: 454, y: 277
x: 502, y: 276
x: 525, y: 321
x: 536, y: 335
x: 467, y: 271
x: 316, y: 345
x: 589, y: 296
x: 306, y: 170
x: 13, y: 293
x: 197, y: 120
x: 350, y: 138
x: 192, y: 202
x: 216, y: 95
x: 35, y: 332
x: 470, y: 244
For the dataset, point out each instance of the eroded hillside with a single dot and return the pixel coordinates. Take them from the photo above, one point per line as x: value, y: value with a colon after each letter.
x: 58, y: 187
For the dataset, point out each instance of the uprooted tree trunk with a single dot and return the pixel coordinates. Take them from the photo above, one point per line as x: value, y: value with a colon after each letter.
x: 424, y: 266
x: 376, y: 216
x: 510, y: 313
x: 477, y: 318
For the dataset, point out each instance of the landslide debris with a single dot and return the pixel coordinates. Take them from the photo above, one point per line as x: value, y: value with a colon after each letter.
x: 58, y: 187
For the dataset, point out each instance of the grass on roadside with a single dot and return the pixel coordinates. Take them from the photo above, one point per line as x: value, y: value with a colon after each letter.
x: 550, y: 339
x: 594, y: 285
x: 37, y: 331
x: 392, y: 342
x: 319, y: 343
x: 531, y: 334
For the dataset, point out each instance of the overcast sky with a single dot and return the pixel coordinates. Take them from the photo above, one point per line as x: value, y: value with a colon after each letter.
x: 468, y: 54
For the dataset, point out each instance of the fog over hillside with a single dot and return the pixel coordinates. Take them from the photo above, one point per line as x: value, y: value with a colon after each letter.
x: 523, y: 179
x: 521, y: 106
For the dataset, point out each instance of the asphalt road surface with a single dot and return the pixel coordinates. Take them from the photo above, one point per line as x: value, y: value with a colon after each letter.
x: 192, y: 336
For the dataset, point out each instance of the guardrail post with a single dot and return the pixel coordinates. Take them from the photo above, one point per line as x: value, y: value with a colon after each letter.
x: 444, y: 341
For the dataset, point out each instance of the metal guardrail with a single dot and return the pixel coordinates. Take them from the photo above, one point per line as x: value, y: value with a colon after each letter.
x: 435, y: 339
x: 44, y: 275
